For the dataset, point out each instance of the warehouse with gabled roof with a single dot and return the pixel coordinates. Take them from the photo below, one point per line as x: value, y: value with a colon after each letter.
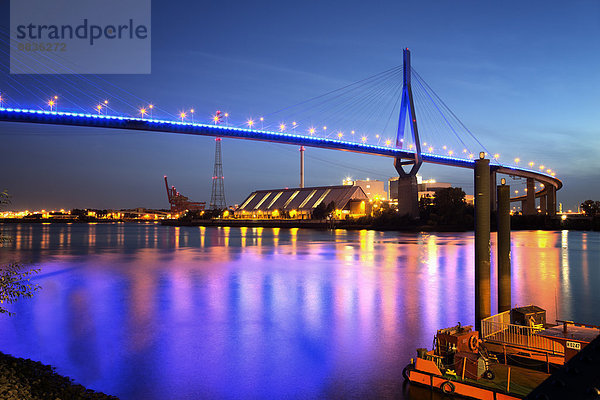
x: 301, y: 202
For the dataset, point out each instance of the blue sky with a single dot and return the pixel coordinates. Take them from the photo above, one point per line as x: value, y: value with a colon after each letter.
x: 523, y: 76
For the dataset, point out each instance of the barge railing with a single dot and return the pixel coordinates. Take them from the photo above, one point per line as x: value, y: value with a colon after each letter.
x: 498, y: 329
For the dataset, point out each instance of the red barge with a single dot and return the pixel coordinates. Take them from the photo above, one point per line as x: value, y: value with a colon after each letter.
x: 513, y: 354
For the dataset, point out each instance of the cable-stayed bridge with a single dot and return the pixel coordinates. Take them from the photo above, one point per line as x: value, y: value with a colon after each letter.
x: 380, y: 115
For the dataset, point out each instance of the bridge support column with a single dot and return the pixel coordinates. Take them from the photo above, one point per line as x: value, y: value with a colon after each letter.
x: 503, y: 248
x: 543, y: 204
x: 408, y: 190
x: 551, y: 200
x: 482, y: 240
x: 301, y: 166
x: 529, y: 203
x: 408, y: 196
x: 493, y: 198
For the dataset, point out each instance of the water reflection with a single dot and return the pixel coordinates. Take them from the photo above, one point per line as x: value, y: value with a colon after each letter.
x: 145, y: 311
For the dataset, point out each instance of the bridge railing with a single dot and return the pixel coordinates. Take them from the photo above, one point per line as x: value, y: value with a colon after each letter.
x: 498, y: 329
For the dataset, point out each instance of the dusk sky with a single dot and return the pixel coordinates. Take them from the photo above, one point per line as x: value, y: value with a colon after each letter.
x: 524, y: 77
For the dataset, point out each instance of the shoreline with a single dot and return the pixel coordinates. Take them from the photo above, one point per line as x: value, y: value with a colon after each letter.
x: 518, y: 223
x: 22, y: 378
x: 310, y: 224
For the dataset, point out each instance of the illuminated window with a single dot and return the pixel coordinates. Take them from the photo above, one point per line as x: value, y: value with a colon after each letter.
x: 321, y: 198
x: 247, y: 201
x: 262, y: 201
x: 274, y: 200
x: 308, y: 198
x: 291, y: 198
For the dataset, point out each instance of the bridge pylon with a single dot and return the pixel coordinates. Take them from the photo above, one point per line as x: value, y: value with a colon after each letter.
x: 408, y: 192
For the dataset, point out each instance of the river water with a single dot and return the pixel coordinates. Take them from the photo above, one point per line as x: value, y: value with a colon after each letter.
x: 143, y: 311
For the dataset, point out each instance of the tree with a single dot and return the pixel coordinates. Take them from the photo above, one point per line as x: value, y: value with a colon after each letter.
x: 14, y: 282
x: 323, y: 211
x: 320, y: 211
x: 450, y: 206
x: 426, y: 207
x: 591, y: 207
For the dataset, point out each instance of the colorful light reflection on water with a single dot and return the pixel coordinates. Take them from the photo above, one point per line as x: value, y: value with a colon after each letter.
x: 153, y: 312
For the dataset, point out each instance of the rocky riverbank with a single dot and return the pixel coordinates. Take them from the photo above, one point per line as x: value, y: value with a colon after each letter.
x: 26, y: 379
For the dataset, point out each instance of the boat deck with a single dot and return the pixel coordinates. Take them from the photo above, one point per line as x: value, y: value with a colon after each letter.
x: 522, y: 380
x: 525, y: 352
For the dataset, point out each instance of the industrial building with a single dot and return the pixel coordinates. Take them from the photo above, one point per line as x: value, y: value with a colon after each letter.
x: 299, y: 203
x: 374, y: 189
x: 425, y: 187
x: 428, y: 187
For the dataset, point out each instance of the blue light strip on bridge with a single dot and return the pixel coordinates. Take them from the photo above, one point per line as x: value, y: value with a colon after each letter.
x: 160, y: 125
